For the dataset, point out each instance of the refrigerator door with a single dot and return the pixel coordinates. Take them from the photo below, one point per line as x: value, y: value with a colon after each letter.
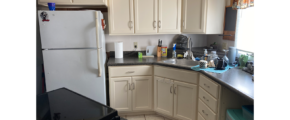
x: 69, y: 29
x: 77, y: 70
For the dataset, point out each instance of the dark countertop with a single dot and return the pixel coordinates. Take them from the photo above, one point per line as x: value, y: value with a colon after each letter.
x: 63, y: 103
x: 235, y: 79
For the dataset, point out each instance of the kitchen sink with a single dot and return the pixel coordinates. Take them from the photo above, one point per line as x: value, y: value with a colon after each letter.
x: 183, y: 62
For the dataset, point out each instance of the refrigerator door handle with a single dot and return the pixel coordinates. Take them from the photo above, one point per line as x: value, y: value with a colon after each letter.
x: 99, y: 61
x: 98, y: 45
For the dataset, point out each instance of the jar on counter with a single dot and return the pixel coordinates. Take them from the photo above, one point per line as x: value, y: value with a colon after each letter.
x: 164, y: 51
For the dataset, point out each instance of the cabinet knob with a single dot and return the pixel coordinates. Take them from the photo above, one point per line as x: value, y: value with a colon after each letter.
x: 131, y: 24
x: 206, y: 85
x: 154, y: 24
x: 159, y: 24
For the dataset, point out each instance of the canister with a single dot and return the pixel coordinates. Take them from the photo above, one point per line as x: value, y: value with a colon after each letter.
x: 164, y: 51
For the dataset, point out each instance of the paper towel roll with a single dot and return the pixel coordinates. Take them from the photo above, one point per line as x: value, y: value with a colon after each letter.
x: 118, y: 49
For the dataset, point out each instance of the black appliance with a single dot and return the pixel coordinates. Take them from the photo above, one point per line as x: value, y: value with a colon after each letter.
x: 64, y: 104
x: 221, y: 64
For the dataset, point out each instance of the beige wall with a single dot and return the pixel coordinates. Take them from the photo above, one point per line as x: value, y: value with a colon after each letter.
x: 149, y: 40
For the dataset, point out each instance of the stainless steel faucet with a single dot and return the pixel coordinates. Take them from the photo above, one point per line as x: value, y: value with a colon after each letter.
x: 189, y: 48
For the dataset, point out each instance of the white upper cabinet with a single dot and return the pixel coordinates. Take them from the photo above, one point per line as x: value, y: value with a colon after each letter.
x: 193, y: 16
x: 202, y: 16
x: 169, y: 16
x: 91, y: 2
x: 121, y: 17
x: 74, y: 2
x: 55, y: 1
x: 145, y: 16
x: 150, y: 17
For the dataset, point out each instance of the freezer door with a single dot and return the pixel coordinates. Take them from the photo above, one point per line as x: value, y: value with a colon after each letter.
x: 69, y: 29
x: 77, y: 70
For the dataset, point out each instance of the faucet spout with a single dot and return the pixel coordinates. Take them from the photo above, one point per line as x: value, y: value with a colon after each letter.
x: 189, y: 48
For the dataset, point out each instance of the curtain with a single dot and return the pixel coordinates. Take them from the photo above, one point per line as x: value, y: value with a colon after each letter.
x: 245, y: 29
x: 242, y: 4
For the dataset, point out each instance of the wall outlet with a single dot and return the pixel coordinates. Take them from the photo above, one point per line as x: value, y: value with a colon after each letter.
x: 225, y: 46
x: 135, y: 45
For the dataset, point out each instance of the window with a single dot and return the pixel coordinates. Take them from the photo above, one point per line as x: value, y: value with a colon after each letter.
x: 245, y: 29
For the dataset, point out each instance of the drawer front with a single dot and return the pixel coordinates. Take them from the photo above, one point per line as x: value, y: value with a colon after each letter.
x: 209, y: 86
x: 120, y: 71
x: 199, y: 117
x: 205, y: 112
x: 210, y: 101
x: 176, y: 74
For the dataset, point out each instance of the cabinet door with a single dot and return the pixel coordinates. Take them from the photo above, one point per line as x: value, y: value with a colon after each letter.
x: 193, y: 16
x: 145, y: 16
x: 142, y: 93
x: 185, y: 101
x: 55, y: 1
x: 163, y: 95
x: 169, y: 16
x: 121, y: 17
x: 100, y: 2
x: 120, y: 93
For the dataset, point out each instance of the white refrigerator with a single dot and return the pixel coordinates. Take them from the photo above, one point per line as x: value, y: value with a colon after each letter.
x: 74, y: 54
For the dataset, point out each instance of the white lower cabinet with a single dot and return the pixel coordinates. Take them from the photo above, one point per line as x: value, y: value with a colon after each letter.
x: 175, y: 93
x: 163, y: 95
x: 131, y: 93
x: 120, y: 93
x: 185, y: 101
x: 175, y: 99
x: 142, y: 92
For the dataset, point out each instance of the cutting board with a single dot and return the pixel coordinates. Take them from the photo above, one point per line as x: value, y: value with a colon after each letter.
x: 151, y: 50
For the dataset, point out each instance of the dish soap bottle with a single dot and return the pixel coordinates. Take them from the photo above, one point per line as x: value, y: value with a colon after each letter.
x: 174, y: 51
x: 205, y: 54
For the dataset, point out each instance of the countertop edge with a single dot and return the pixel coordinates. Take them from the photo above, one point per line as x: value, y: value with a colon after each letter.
x: 187, y: 68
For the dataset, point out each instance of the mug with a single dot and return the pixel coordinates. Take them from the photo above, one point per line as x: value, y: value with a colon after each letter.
x: 203, y: 64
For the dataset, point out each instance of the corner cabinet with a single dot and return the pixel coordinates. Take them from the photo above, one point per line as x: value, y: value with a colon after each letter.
x: 202, y: 16
x: 74, y: 2
x: 175, y: 97
x: 131, y: 88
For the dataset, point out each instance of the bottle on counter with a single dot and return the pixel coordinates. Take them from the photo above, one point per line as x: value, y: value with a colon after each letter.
x: 205, y: 54
x: 174, y: 51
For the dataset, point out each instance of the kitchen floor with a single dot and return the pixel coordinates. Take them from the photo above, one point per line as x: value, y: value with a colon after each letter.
x: 144, y: 117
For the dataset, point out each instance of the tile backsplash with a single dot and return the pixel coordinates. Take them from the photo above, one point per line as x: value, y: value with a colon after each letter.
x: 149, y: 40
